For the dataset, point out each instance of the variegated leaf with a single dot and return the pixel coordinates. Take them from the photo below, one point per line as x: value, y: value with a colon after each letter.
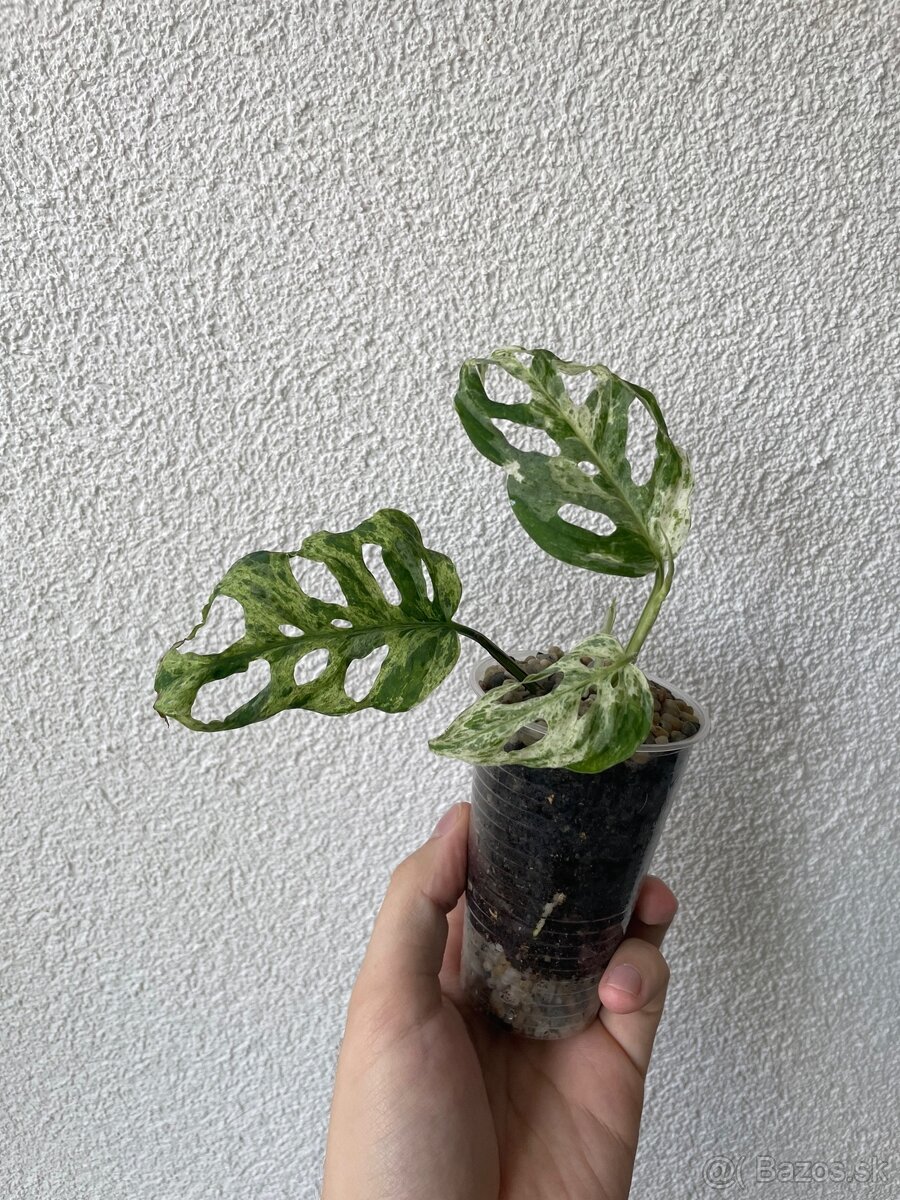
x: 422, y: 645
x: 591, y: 469
x: 610, y: 729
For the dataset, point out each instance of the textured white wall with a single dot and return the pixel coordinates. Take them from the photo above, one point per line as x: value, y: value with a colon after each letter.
x: 244, y: 248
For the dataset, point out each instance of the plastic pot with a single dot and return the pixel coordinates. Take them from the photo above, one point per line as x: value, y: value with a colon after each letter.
x: 556, y: 859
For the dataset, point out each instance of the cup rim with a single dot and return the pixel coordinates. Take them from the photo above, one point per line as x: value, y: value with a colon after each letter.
x: 688, y: 743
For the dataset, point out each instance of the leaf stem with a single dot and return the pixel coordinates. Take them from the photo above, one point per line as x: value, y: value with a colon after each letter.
x: 665, y: 571
x: 494, y: 650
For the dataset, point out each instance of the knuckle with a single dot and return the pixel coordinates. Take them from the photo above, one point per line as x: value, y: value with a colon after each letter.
x: 375, y: 1021
x: 402, y: 871
x: 657, y: 979
x: 664, y: 973
x: 658, y: 968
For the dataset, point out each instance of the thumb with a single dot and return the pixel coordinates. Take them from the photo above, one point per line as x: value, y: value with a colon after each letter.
x: 399, y: 975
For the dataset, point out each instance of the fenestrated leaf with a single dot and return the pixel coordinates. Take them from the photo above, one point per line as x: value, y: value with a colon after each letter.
x: 418, y: 631
x: 610, y: 729
x: 651, y: 519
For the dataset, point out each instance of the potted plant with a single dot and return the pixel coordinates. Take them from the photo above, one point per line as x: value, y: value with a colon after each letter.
x: 576, y: 754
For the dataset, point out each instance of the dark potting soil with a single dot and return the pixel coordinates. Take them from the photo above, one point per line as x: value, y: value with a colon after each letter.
x: 564, y: 852
x: 556, y: 856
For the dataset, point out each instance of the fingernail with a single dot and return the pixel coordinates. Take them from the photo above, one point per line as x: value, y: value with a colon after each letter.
x: 625, y: 978
x: 447, y: 821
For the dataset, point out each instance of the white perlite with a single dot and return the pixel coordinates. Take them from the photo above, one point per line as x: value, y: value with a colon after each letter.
x: 530, y: 1004
x: 558, y: 899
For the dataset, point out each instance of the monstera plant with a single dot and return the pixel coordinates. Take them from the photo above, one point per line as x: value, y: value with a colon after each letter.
x: 589, y: 470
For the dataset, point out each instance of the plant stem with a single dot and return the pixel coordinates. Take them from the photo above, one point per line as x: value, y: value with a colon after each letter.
x: 494, y: 650
x: 664, y: 574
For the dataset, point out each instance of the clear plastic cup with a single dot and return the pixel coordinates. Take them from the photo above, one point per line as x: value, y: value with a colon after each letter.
x: 556, y: 858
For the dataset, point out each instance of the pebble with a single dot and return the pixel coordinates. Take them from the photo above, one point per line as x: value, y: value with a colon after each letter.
x: 672, y: 721
x: 493, y: 677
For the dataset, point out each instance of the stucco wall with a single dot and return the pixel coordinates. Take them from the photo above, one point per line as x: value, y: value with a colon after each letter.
x: 245, y: 247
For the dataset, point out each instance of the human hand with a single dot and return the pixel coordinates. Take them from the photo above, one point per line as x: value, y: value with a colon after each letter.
x: 435, y: 1102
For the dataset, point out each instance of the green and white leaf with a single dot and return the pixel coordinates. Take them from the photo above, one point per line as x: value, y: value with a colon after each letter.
x: 422, y: 645
x: 651, y: 520
x: 610, y: 730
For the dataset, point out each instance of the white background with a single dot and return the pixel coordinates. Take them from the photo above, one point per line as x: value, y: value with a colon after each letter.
x: 244, y: 249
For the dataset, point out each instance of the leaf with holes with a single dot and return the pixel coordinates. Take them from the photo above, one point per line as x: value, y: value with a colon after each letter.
x: 418, y: 630
x: 588, y: 737
x: 591, y: 471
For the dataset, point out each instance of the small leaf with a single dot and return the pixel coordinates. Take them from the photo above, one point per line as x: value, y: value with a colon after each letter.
x: 610, y: 729
x: 610, y: 619
x: 422, y: 645
x: 591, y: 470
